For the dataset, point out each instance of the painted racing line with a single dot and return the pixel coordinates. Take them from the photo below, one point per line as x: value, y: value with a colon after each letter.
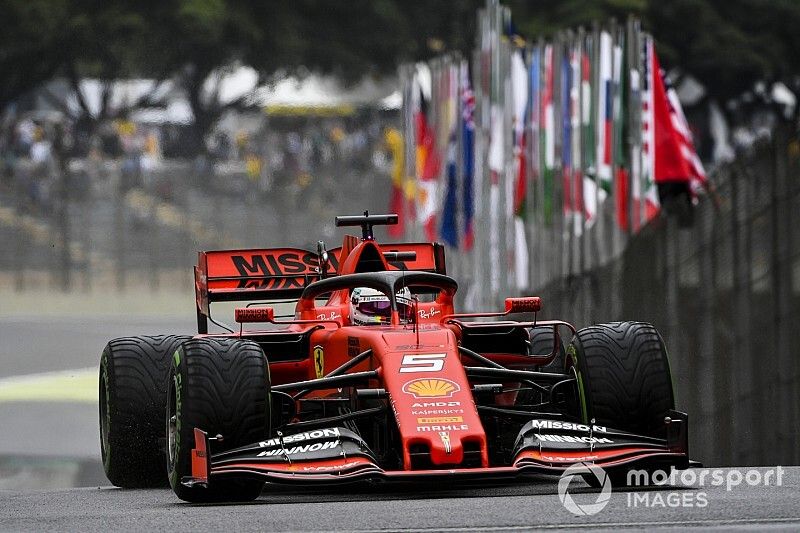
x: 76, y: 385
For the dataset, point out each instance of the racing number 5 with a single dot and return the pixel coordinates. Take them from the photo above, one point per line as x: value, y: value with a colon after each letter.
x: 427, y: 362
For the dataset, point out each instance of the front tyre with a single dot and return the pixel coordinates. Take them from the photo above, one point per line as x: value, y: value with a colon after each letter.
x: 221, y: 386
x: 133, y: 396
x: 623, y: 376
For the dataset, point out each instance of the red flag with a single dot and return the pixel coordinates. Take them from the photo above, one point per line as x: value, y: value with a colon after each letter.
x: 675, y: 156
x: 428, y: 166
x: 668, y: 153
x: 428, y: 160
x: 622, y: 198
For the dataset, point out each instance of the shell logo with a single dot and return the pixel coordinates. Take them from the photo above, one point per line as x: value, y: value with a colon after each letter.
x: 431, y: 388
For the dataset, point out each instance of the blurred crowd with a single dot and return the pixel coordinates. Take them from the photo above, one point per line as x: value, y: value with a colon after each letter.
x: 41, y: 152
x: 44, y: 157
x: 291, y: 153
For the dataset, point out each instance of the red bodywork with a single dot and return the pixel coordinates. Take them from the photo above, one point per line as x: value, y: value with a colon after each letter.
x: 419, y: 370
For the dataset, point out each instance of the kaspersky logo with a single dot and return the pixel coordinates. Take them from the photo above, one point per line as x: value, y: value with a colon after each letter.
x: 580, y: 471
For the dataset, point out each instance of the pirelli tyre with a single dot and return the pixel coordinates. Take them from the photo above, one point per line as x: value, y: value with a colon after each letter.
x: 221, y: 386
x: 133, y: 397
x: 542, y: 343
x: 623, y: 377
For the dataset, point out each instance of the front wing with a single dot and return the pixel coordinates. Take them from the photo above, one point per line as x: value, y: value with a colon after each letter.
x: 337, y: 455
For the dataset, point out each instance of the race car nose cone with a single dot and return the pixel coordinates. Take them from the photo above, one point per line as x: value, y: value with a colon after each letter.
x: 446, y: 448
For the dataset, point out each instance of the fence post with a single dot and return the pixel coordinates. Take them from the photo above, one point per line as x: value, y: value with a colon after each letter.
x: 741, y: 377
x: 782, y: 288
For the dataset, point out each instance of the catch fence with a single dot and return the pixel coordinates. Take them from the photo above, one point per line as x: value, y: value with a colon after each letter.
x: 725, y: 295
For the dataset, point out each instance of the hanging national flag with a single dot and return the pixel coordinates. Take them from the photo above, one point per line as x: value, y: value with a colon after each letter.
x: 589, y: 122
x: 394, y: 142
x: 697, y: 174
x: 547, y: 146
x: 449, y: 230
x: 566, y: 136
x: 635, y: 121
x: 428, y: 160
x: 605, y: 105
x: 578, y: 206
x: 452, y: 101
x: 648, y: 179
x: 621, y: 159
x: 468, y: 144
x: 496, y: 168
x: 534, y: 111
x: 519, y: 85
x: 668, y: 150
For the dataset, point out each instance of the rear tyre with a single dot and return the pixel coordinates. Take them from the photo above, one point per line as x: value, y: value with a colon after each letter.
x: 623, y: 377
x: 221, y: 386
x: 133, y: 396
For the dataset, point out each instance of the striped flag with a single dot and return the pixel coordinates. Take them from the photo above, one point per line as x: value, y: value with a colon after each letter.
x: 669, y: 155
x: 697, y: 174
x: 621, y: 159
x: 428, y: 160
x: 578, y: 205
x: 534, y: 110
x: 547, y: 136
x: 468, y: 144
x: 566, y: 135
x: 588, y: 123
x: 648, y: 179
x: 605, y: 106
x: 449, y: 229
x: 519, y: 84
x: 451, y: 83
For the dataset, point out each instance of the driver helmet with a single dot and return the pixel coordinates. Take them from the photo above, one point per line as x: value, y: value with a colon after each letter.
x: 370, y: 306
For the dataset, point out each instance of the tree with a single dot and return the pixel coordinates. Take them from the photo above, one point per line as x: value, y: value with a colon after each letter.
x: 29, y: 53
x: 726, y: 44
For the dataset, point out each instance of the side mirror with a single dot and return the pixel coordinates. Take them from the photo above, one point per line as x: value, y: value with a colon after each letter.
x: 527, y: 304
x: 246, y: 315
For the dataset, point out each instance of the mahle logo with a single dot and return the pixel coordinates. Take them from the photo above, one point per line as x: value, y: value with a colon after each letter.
x: 582, y: 470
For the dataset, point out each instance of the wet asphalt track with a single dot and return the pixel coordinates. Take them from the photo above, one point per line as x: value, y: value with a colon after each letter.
x: 383, y: 508
x: 59, y: 440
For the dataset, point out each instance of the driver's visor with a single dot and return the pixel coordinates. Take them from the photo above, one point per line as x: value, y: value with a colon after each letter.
x: 378, y: 306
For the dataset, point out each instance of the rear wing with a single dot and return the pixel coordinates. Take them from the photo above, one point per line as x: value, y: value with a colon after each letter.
x: 283, y: 273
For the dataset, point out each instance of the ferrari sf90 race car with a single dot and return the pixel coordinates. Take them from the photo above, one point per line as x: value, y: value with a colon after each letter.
x: 352, y: 364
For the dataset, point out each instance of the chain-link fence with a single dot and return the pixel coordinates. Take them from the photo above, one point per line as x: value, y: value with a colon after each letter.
x: 95, y: 226
x: 725, y: 294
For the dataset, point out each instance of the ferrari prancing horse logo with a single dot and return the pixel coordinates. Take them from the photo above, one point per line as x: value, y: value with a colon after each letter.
x: 319, y: 361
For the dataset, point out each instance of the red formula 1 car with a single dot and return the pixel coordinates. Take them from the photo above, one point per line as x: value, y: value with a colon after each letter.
x: 375, y: 376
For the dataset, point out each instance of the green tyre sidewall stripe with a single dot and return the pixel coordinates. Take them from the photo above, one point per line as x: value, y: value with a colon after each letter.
x: 175, y: 388
x: 105, y: 440
x: 582, y: 397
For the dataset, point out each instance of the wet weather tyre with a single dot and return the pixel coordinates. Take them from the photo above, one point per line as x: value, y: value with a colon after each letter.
x: 133, y: 396
x: 221, y: 386
x: 623, y: 375
x: 542, y: 343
